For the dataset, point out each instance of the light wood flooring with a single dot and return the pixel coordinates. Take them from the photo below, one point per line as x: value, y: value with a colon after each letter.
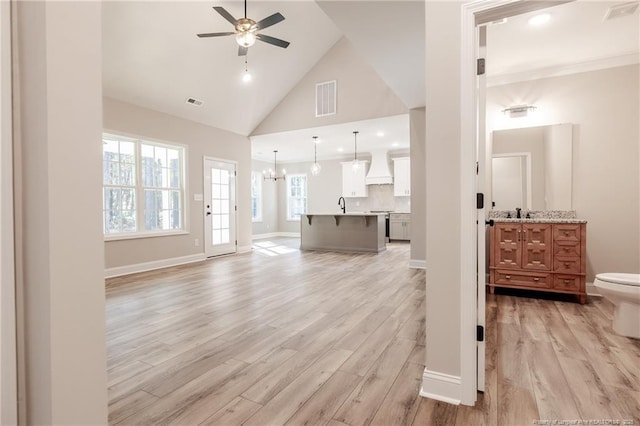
x: 279, y: 336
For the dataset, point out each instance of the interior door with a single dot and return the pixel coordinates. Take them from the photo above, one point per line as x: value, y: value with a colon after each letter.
x: 481, y: 176
x: 219, y: 207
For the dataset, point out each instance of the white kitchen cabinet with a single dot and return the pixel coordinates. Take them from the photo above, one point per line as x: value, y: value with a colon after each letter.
x: 400, y: 226
x: 401, y: 177
x: 354, y: 181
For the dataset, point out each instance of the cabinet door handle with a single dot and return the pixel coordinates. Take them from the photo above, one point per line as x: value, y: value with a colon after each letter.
x: 536, y: 279
x: 567, y: 281
x: 566, y: 234
x: 507, y: 277
x: 566, y: 249
x: 567, y: 264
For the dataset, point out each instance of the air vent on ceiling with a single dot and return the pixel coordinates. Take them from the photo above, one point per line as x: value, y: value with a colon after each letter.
x: 326, y: 98
x: 194, y: 101
x: 622, y: 9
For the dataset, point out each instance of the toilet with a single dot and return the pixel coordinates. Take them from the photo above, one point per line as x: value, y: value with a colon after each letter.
x: 623, y: 290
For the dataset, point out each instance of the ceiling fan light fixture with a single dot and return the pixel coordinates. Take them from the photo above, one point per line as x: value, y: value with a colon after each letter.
x: 246, y: 39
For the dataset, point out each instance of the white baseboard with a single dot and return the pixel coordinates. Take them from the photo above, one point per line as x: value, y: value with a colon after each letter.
x: 441, y: 387
x: 417, y: 264
x: 150, y: 266
x: 244, y: 249
x: 592, y: 290
x: 275, y: 235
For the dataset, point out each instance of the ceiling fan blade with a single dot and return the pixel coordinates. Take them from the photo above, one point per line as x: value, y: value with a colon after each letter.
x: 269, y: 21
x: 272, y: 40
x: 226, y: 15
x: 242, y: 51
x: 216, y: 34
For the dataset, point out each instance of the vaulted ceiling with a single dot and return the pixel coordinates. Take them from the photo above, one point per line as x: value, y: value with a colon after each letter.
x: 152, y: 57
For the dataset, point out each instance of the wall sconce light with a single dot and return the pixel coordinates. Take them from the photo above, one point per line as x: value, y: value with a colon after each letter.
x: 518, y: 111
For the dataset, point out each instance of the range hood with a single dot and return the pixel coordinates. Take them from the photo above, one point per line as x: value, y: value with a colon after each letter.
x: 379, y: 173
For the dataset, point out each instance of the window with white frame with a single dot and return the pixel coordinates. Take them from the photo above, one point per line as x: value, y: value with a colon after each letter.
x: 143, y: 187
x: 256, y: 197
x: 296, y: 196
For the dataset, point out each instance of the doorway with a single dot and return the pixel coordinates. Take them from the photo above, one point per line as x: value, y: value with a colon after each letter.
x: 220, y: 207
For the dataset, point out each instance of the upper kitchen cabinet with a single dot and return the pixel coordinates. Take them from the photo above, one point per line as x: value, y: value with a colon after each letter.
x: 354, y: 180
x: 401, y: 177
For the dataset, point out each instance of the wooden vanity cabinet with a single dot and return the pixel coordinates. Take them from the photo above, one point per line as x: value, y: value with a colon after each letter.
x: 539, y: 256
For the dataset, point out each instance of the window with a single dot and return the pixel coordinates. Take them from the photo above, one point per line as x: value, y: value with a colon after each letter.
x: 143, y: 187
x: 296, y: 196
x: 256, y: 197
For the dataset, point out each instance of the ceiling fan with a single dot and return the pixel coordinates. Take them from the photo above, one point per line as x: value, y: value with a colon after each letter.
x: 246, y: 30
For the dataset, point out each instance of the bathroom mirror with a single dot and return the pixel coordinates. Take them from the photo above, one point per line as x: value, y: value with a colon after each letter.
x: 531, y: 168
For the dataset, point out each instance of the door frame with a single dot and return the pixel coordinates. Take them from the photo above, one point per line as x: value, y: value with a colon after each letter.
x: 8, y: 320
x: 235, y: 197
x: 474, y: 14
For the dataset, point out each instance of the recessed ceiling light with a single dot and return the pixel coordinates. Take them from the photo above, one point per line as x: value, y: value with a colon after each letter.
x: 539, y: 19
x: 246, y: 77
x: 380, y: 134
x: 340, y: 149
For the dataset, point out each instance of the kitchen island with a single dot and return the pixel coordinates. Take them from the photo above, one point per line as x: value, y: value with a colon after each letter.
x: 348, y: 232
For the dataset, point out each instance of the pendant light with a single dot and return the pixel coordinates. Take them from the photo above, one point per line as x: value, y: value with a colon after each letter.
x: 356, y: 164
x: 273, y: 174
x: 315, y: 168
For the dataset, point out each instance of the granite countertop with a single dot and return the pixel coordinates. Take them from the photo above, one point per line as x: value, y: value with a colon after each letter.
x: 537, y: 216
x: 538, y: 220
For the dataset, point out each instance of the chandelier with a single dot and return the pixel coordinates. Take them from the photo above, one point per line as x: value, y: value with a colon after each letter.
x: 272, y: 174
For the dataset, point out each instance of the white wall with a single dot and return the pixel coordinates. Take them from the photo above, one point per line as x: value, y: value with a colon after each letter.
x: 201, y: 140
x: 60, y: 252
x: 604, y: 109
x: 442, y: 152
x: 361, y: 94
x: 418, y: 197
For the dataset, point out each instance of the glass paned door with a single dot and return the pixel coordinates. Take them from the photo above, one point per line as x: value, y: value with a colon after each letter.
x: 220, y: 207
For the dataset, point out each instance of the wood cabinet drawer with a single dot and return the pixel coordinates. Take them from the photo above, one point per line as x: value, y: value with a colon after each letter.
x: 567, y: 264
x: 566, y: 248
x: 567, y: 232
x: 533, y: 279
x: 566, y: 282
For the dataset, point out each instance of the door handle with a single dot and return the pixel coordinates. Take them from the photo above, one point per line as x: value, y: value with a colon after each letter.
x: 489, y: 222
x: 208, y: 213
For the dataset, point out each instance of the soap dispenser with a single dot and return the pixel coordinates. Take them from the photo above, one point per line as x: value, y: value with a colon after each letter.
x: 518, y: 214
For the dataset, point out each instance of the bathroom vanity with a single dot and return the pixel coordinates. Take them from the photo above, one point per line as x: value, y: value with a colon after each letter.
x: 546, y: 254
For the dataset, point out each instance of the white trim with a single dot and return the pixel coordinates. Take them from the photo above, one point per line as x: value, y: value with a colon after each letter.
x: 275, y: 235
x: 8, y: 342
x: 417, y: 264
x: 244, y: 249
x: 150, y: 266
x: 567, y: 69
x: 141, y: 235
x: 442, y: 387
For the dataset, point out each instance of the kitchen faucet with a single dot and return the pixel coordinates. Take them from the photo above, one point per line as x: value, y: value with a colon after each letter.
x: 343, y: 204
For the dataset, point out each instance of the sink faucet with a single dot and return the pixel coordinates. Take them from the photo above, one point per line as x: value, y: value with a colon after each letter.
x: 343, y: 204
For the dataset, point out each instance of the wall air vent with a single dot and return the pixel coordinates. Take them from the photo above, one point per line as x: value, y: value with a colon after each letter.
x: 194, y: 102
x: 326, y: 98
x: 622, y: 9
